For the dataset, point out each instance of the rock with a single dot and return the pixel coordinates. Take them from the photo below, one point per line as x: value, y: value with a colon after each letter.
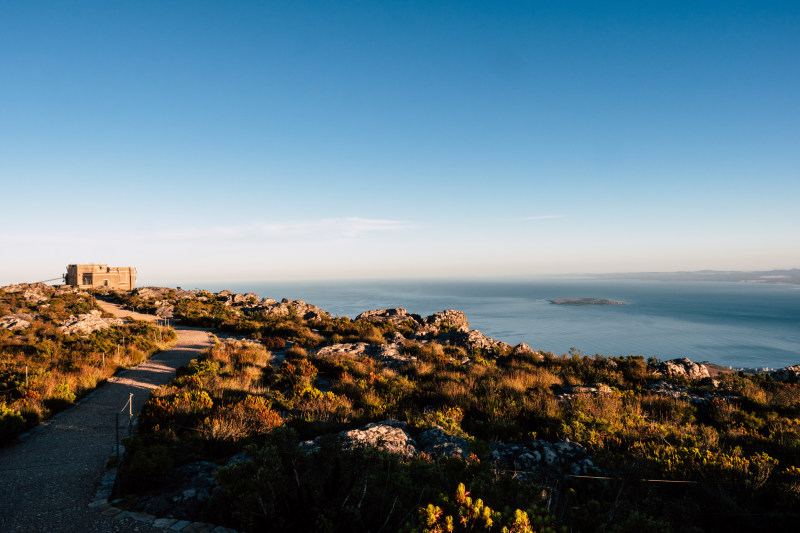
x: 397, y: 316
x: 248, y: 298
x: 165, y: 311
x: 471, y: 340
x: 31, y: 292
x: 569, y: 392
x: 391, y: 355
x: 789, y: 374
x: 186, y: 493
x: 287, y: 307
x: 87, y: 323
x: 710, y: 382
x: 16, y: 322
x: 146, y: 293
x: 541, y: 460
x: 390, y: 436
x: 448, y: 320
x: 683, y: 367
x: 438, y: 444
x: 522, y: 349
x: 696, y: 397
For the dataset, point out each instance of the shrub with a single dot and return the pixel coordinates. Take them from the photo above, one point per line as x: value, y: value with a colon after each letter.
x: 273, y: 343
x: 12, y: 423
x: 463, y: 514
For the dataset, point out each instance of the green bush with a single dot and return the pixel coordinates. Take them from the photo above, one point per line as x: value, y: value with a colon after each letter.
x: 12, y: 423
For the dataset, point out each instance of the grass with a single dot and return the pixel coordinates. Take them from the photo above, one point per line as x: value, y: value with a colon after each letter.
x: 43, y: 371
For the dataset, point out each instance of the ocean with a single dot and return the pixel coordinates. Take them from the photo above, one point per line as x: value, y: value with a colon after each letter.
x: 732, y: 324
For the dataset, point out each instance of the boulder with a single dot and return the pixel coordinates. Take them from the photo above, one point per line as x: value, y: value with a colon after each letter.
x: 447, y: 320
x: 389, y: 435
x: 471, y: 339
x: 683, y: 367
x: 522, y: 349
x: 391, y: 355
x: 87, y: 323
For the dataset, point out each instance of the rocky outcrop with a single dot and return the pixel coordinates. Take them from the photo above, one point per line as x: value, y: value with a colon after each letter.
x: 523, y: 349
x: 186, y: 494
x: 391, y: 355
x: 31, y: 292
x: 16, y: 322
x: 445, y: 321
x: 288, y: 307
x: 683, y: 367
x: 390, y: 436
x: 438, y: 444
x: 569, y: 392
x: 161, y: 293
x: 87, y: 323
x: 789, y: 374
x: 537, y: 459
x: 165, y: 311
x: 471, y: 340
x: 397, y: 316
x: 232, y: 298
x: 695, y: 396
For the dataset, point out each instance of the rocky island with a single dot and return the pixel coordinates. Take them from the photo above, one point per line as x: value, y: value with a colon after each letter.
x: 586, y: 301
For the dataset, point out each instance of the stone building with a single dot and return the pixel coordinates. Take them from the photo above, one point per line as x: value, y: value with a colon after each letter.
x: 101, y: 276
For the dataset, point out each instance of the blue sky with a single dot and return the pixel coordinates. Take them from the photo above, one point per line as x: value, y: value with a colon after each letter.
x: 299, y: 140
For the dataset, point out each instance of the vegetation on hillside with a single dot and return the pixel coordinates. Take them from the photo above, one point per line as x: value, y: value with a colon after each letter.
x: 714, y: 456
x: 43, y: 370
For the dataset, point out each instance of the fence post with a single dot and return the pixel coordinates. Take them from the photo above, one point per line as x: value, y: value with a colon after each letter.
x: 116, y: 418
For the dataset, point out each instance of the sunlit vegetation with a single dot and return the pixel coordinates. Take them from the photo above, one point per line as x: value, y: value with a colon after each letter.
x: 728, y: 461
x: 43, y: 371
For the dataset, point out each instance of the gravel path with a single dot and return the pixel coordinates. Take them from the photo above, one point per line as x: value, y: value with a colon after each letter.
x: 48, y: 477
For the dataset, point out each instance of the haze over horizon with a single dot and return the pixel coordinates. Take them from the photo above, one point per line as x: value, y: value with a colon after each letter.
x: 318, y: 140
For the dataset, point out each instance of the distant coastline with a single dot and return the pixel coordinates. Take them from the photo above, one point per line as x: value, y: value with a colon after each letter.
x: 773, y: 277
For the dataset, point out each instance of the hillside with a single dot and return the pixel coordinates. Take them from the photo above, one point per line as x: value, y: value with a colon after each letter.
x: 318, y: 422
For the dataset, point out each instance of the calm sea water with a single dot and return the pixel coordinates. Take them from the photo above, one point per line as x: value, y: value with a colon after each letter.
x: 737, y: 324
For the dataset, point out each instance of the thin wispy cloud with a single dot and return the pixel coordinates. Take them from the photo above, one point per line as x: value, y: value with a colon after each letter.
x: 539, y: 217
x: 329, y: 228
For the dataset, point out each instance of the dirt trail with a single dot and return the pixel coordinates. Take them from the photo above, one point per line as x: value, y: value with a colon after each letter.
x: 48, y: 478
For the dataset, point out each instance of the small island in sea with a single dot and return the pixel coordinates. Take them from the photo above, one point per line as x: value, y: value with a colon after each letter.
x: 585, y: 301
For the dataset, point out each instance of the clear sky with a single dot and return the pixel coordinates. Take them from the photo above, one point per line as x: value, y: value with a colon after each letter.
x: 289, y: 140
